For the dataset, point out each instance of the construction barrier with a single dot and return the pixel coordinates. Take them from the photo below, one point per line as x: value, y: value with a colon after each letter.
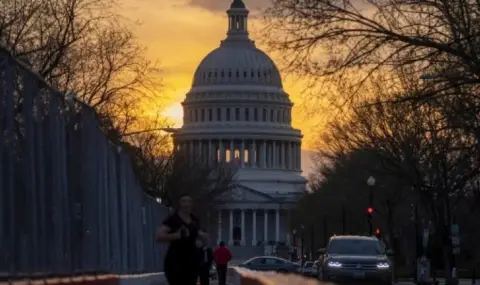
x: 240, y: 276
x: 107, y: 279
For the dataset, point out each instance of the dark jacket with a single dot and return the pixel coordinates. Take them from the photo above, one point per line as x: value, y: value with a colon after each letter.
x: 205, y: 256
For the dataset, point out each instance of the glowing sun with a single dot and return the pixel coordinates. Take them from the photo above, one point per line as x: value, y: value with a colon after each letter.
x: 174, y: 113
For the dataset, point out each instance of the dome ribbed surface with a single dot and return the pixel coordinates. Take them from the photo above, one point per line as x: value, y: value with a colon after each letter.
x: 237, y: 64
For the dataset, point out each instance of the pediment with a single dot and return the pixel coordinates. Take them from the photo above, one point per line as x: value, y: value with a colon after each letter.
x: 241, y: 193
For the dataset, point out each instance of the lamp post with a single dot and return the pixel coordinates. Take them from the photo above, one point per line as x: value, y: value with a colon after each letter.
x: 371, y: 184
x: 302, y: 239
x: 294, y: 256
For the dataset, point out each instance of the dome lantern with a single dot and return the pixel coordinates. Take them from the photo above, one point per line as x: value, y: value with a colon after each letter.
x: 237, y: 21
x: 237, y: 61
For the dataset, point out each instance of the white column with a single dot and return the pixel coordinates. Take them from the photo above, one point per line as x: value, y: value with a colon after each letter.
x: 242, y: 154
x: 265, y: 227
x: 209, y: 158
x: 254, y: 154
x: 222, y: 151
x: 250, y: 155
x: 291, y: 149
x: 219, y: 226
x: 191, y: 152
x: 264, y: 154
x: 299, y: 156
x: 282, y: 147
x: 200, y: 151
x: 274, y: 154
x: 232, y: 152
x: 277, y: 225
x: 243, y: 227
x: 230, y: 241
x: 254, y: 227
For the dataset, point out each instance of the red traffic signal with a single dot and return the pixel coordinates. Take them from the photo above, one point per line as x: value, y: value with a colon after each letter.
x: 370, y: 210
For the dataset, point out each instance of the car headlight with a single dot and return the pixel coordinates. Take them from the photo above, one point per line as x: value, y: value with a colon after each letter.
x: 334, y: 264
x: 383, y: 265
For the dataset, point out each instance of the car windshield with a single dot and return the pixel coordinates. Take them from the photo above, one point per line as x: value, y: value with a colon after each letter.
x: 308, y: 264
x: 355, y: 247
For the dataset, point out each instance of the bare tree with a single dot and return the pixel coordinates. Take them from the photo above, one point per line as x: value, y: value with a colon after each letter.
x: 205, y: 183
x: 416, y: 144
x: 166, y: 174
x: 85, y: 47
x: 346, y: 42
x: 344, y: 176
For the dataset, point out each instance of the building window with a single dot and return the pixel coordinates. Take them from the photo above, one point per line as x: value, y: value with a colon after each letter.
x: 228, y: 114
x: 278, y: 116
x: 237, y: 114
x: 210, y: 115
x: 219, y: 114
x: 255, y: 115
x: 271, y: 115
x: 196, y: 115
x: 203, y: 115
x: 247, y: 114
x: 190, y: 115
x: 264, y: 115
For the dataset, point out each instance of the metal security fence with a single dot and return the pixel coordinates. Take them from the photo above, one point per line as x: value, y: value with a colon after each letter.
x: 69, y: 202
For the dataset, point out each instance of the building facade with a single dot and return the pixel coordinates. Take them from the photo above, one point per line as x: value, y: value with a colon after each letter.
x: 237, y: 112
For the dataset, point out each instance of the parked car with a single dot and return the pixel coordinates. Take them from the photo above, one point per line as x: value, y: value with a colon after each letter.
x: 355, y: 259
x: 271, y: 263
x: 309, y: 269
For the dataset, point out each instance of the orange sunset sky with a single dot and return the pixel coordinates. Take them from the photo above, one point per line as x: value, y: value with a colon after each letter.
x: 179, y: 33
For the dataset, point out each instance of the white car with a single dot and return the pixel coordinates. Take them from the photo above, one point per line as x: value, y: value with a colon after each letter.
x: 309, y: 269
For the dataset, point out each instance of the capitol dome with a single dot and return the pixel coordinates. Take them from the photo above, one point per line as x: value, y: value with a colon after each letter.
x: 237, y: 62
x: 237, y: 113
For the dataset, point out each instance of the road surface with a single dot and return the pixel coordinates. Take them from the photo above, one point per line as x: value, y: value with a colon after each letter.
x: 462, y: 282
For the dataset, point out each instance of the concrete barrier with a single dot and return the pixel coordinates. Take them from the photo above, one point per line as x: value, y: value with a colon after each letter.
x: 107, y: 279
x: 240, y: 276
x: 235, y: 276
x: 144, y: 279
x: 138, y: 279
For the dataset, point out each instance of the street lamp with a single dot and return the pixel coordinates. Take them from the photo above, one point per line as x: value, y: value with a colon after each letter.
x: 371, y: 181
x: 302, y: 238
x: 370, y: 209
x: 294, y: 256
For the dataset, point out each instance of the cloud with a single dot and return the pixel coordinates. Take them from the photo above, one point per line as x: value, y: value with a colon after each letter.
x: 223, y: 5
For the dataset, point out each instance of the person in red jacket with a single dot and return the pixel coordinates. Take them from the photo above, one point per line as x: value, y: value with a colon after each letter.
x: 222, y: 256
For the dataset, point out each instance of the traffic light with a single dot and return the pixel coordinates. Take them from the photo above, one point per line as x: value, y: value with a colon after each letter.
x: 370, y: 211
x: 378, y: 233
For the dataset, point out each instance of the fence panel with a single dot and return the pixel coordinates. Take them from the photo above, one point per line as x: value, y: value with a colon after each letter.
x: 69, y: 200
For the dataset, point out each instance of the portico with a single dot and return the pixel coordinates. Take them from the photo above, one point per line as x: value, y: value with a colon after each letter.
x: 256, y: 236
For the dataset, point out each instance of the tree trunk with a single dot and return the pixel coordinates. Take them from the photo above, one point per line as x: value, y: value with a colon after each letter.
x: 448, y: 256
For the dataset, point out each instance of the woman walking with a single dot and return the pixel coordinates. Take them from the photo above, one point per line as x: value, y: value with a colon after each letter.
x: 205, y: 264
x: 181, y: 230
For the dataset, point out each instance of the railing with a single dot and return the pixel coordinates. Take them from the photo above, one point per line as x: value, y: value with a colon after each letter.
x: 69, y: 202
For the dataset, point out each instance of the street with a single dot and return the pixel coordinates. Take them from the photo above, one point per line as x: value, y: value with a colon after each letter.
x: 462, y: 282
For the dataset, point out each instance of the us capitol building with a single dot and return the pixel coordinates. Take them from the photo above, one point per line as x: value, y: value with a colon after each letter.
x: 237, y: 112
